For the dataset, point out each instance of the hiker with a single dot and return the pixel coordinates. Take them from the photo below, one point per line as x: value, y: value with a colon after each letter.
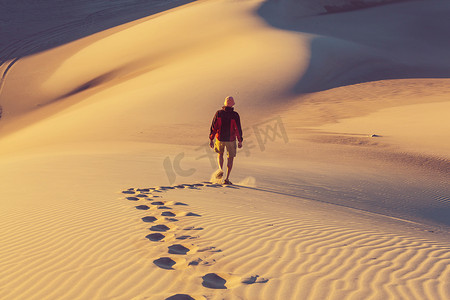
x: 226, y: 127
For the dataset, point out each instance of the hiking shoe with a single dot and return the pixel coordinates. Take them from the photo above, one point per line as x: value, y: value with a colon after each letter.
x: 226, y: 181
x: 219, y: 174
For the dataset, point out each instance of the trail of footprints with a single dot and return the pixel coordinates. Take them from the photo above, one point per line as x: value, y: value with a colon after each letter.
x: 164, y: 228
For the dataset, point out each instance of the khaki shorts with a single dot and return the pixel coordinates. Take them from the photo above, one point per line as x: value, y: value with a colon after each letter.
x: 219, y: 147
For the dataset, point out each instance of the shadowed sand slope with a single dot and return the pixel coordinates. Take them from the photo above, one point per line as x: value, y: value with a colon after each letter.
x: 29, y: 27
x: 389, y: 42
x: 290, y: 9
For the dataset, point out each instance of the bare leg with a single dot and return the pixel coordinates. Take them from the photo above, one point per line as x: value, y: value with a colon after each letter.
x: 220, y: 160
x: 229, y: 166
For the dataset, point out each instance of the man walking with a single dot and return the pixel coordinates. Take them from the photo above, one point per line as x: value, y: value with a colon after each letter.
x: 226, y: 127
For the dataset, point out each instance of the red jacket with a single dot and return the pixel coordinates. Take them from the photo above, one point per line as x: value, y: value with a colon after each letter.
x: 226, y: 125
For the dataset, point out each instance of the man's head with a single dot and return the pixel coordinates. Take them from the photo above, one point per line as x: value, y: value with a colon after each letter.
x: 229, y: 101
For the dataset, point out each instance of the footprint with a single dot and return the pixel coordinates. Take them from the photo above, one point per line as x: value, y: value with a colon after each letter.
x: 168, y: 214
x: 129, y: 192
x: 157, y: 203
x: 186, y: 297
x: 210, y: 249
x: 155, y: 237
x: 179, y: 214
x: 170, y: 263
x: 191, y: 214
x: 133, y: 198
x: 180, y: 203
x: 185, y: 237
x: 172, y: 219
x: 160, y: 227
x: 169, y: 187
x: 149, y: 219
x: 254, y: 279
x: 182, y: 249
x: 193, y: 228
x: 220, y: 281
x: 143, y: 190
x: 180, y: 297
x: 164, y: 207
x: 196, y: 262
x: 142, y: 207
x: 142, y: 196
x: 164, y: 188
x: 200, y: 261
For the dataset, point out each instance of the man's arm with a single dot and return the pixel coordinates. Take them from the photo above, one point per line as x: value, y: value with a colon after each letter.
x: 213, y: 130
x: 239, y: 128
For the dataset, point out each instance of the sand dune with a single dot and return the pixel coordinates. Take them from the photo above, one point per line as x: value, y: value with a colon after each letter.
x: 341, y: 190
x: 368, y: 49
x: 235, y: 249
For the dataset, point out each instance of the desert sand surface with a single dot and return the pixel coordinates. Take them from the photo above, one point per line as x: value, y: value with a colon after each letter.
x: 341, y: 190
